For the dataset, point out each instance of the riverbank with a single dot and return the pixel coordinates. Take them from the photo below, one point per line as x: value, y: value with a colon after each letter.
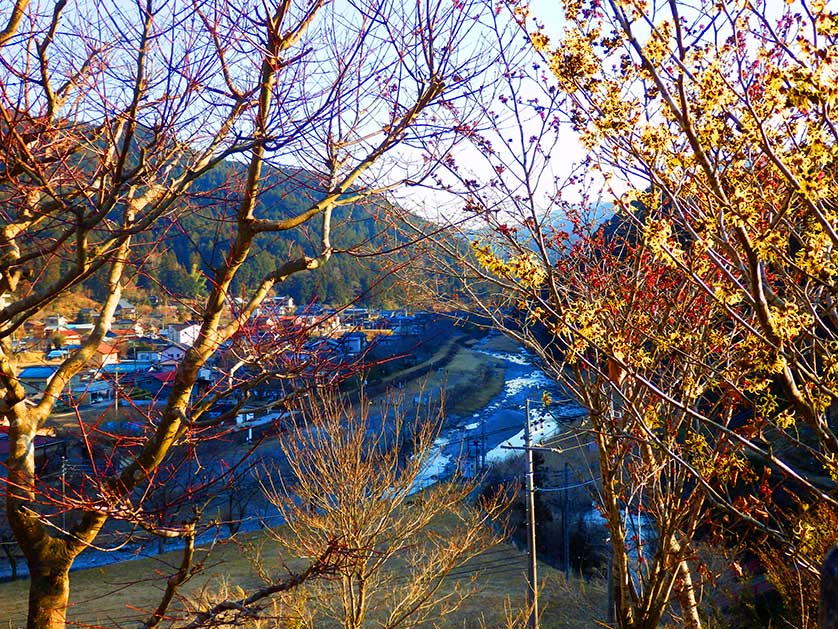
x: 488, y: 376
x: 465, y: 378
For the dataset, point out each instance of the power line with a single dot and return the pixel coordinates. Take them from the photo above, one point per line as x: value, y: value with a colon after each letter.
x: 577, y: 485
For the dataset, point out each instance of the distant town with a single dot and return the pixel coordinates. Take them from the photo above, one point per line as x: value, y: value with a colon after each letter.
x: 140, y: 354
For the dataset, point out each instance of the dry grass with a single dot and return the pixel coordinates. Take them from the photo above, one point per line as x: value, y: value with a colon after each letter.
x: 68, y: 304
x: 469, y: 380
x: 121, y: 595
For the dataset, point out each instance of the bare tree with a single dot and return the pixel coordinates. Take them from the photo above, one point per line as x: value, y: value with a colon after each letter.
x: 393, y: 543
x: 109, y: 114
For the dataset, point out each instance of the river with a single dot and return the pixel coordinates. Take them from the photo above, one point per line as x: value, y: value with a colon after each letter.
x: 497, y: 431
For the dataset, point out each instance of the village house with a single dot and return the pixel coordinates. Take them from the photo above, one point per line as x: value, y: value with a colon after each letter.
x: 173, y: 354
x: 280, y: 305
x: 81, y: 328
x: 183, y: 333
x: 124, y: 337
x: 125, y: 309
x: 326, y: 324
x: 148, y: 356
x: 105, y: 354
x: 354, y: 342
x: 61, y: 338
x: 158, y: 384
x: 54, y: 322
x: 356, y: 317
x: 86, y: 388
x: 34, y: 329
x: 86, y: 315
x: 127, y: 327
x: 35, y: 378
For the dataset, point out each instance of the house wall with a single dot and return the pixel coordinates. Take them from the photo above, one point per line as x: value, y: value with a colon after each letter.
x: 184, y: 336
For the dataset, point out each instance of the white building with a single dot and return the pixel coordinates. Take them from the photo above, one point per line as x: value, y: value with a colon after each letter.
x: 183, y: 333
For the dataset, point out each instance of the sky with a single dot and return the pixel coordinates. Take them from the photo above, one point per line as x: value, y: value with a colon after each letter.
x: 567, y: 154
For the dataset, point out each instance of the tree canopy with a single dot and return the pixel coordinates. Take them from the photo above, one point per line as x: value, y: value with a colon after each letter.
x: 698, y: 327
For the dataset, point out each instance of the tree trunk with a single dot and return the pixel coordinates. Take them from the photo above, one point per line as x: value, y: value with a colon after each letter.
x: 686, y: 597
x: 49, y: 593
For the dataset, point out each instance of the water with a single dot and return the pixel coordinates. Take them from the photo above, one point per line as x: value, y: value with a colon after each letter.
x: 497, y: 431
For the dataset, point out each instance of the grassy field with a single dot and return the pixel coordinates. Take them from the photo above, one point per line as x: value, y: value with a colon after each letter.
x: 121, y: 595
x: 469, y: 380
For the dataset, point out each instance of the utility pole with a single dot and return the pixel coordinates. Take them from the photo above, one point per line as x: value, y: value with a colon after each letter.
x: 482, y: 441
x: 565, y: 522
x: 476, y: 457
x: 532, y: 591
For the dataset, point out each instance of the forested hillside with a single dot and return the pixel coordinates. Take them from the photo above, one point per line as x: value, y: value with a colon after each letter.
x: 174, y: 268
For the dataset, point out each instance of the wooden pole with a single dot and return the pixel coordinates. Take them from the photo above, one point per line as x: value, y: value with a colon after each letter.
x: 532, y: 589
